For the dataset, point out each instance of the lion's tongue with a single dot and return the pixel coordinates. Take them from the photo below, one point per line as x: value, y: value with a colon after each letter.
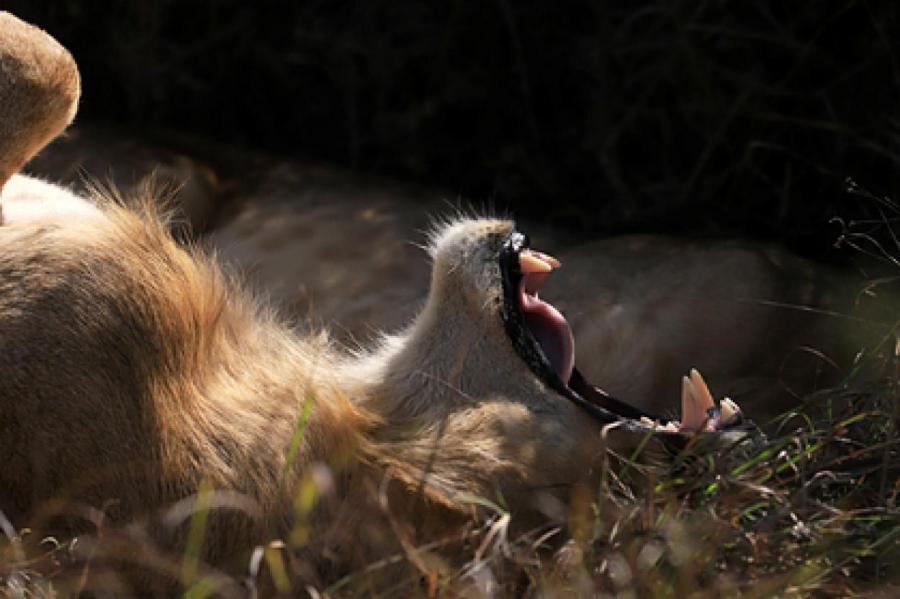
x: 549, y: 328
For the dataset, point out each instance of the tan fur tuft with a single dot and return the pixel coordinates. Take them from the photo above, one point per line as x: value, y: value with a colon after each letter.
x: 39, y: 90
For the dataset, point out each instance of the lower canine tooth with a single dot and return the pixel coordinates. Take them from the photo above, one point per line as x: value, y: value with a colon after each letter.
x: 728, y: 410
x: 689, y: 410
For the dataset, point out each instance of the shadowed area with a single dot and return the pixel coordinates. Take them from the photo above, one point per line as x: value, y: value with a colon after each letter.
x: 665, y: 117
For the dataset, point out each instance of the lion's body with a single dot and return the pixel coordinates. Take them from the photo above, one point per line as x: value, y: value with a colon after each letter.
x: 134, y: 372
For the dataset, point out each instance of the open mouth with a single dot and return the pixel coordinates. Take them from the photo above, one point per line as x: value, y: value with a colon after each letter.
x: 543, y: 339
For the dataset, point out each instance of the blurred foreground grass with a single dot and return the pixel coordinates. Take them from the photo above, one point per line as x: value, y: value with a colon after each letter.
x: 813, y: 510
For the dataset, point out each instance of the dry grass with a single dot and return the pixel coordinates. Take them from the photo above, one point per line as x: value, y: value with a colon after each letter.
x: 812, y: 510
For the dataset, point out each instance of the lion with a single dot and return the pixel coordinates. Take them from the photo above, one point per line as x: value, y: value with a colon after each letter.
x: 138, y: 375
x: 135, y: 372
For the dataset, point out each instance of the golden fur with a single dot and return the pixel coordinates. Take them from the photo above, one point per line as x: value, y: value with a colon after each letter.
x: 129, y: 361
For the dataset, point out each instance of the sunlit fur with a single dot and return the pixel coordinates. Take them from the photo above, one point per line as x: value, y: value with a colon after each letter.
x: 134, y: 370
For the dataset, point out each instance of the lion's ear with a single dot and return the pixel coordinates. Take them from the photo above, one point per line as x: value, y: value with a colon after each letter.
x: 39, y: 91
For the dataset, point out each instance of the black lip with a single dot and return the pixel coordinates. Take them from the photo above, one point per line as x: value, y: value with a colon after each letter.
x: 598, y: 403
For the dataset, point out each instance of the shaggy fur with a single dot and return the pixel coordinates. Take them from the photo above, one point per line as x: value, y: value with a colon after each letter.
x: 136, y: 365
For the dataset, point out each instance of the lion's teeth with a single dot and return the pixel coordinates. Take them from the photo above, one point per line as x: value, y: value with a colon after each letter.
x: 687, y: 404
x: 669, y: 427
x: 703, y: 394
x: 728, y: 411
x: 553, y: 262
x: 693, y: 406
x: 530, y: 261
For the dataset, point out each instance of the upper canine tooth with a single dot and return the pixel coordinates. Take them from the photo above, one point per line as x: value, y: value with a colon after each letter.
x: 529, y: 263
x: 553, y: 262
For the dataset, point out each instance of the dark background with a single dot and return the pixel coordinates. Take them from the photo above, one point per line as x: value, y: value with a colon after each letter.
x: 683, y: 116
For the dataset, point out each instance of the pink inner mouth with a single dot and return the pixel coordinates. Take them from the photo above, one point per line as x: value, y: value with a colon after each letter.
x: 548, y: 326
x: 700, y: 412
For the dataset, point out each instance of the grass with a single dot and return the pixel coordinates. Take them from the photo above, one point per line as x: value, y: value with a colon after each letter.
x: 811, y: 511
